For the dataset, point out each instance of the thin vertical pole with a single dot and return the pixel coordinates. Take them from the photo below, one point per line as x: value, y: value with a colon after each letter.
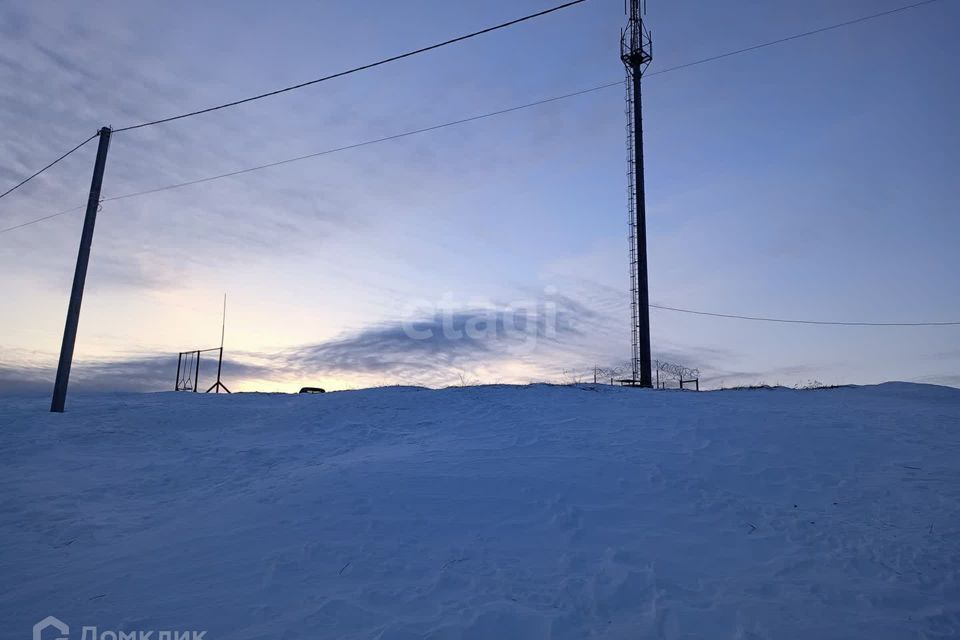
x: 196, y: 374
x: 176, y: 385
x: 643, y: 310
x: 80, y: 277
x: 223, y: 330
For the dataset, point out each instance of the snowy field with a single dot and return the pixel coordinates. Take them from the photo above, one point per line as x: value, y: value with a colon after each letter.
x: 487, y: 512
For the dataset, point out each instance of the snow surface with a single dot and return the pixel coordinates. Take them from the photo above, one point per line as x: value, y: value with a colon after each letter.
x: 488, y: 512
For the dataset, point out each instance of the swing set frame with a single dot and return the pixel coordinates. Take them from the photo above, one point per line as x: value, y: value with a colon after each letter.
x: 189, y: 380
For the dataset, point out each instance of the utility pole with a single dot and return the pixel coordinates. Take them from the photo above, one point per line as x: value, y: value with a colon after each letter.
x: 636, y: 52
x: 80, y: 276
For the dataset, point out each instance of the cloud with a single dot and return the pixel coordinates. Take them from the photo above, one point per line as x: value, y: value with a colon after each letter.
x: 437, y: 344
x: 24, y: 379
x: 431, y: 348
x: 950, y: 380
x: 134, y: 374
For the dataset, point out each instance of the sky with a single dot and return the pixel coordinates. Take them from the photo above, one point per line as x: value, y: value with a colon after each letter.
x: 812, y: 180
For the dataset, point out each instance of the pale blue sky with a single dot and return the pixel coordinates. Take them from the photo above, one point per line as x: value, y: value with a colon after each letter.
x: 814, y: 180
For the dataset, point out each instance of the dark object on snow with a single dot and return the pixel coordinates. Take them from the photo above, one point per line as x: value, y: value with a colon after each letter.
x: 312, y: 390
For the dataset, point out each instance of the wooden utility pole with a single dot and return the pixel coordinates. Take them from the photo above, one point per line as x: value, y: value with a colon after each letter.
x: 80, y: 276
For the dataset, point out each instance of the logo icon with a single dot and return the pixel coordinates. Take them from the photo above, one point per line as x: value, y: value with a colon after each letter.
x: 51, y: 621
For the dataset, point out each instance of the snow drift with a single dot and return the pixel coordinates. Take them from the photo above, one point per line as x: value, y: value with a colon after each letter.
x: 489, y: 512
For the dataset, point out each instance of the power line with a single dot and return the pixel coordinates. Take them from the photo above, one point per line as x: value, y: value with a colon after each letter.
x: 36, y: 220
x: 793, y: 37
x: 805, y: 34
x: 820, y: 322
x: 369, y: 142
x: 466, y: 120
x: 360, y: 68
x: 397, y: 136
x: 26, y: 180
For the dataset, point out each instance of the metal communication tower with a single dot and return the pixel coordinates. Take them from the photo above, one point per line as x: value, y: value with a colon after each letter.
x: 636, y: 52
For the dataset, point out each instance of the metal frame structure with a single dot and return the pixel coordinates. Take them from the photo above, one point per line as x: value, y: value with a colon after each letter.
x: 636, y: 52
x: 190, y: 380
x: 683, y: 375
x: 195, y: 361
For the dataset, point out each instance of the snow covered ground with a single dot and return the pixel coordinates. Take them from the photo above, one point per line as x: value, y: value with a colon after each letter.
x: 488, y: 512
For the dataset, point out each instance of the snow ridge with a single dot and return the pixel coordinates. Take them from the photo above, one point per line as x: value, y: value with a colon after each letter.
x: 487, y: 512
